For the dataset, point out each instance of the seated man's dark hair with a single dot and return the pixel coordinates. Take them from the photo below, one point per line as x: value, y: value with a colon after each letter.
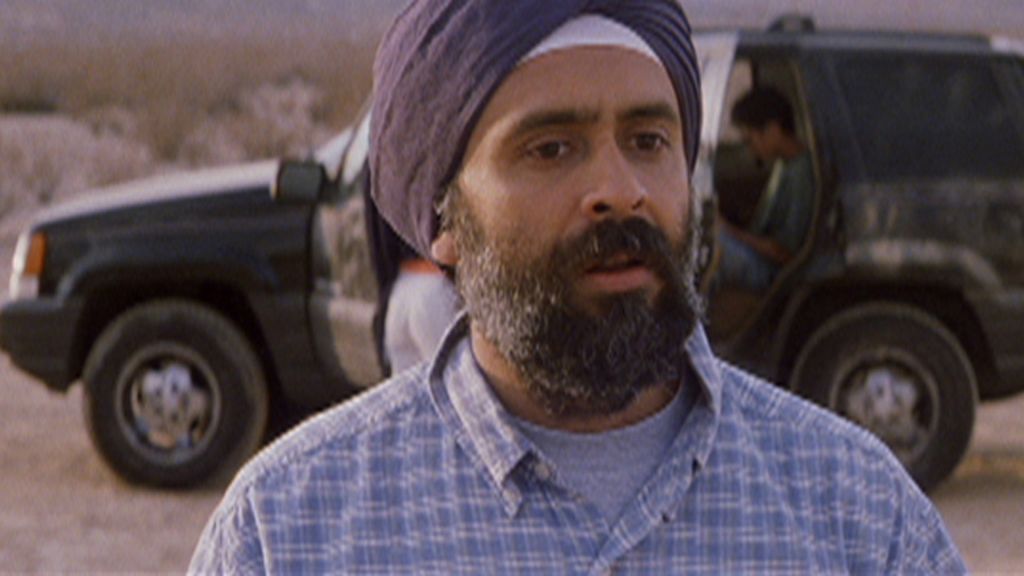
x: 762, y: 105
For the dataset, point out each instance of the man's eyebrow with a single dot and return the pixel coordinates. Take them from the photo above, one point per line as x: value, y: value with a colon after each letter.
x: 554, y: 118
x: 654, y: 111
x: 579, y: 117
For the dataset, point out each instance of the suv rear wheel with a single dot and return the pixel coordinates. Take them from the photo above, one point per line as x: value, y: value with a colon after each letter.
x: 174, y: 393
x: 900, y: 373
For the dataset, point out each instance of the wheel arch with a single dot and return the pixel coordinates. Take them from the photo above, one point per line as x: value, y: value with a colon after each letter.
x: 899, y: 372
x: 106, y: 302
x: 945, y: 304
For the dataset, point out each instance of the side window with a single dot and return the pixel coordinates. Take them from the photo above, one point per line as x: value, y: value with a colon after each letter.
x: 922, y: 117
x: 741, y: 80
x: 351, y: 179
x: 341, y: 246
x: 739, y: 177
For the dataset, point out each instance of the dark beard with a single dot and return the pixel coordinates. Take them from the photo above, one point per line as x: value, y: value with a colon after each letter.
x: 576, y: 363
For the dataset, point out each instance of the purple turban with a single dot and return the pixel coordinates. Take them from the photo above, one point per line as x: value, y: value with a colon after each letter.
x: 442, y: 61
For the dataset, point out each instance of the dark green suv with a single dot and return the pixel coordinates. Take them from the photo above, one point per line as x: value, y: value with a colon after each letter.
x: 905, y: 304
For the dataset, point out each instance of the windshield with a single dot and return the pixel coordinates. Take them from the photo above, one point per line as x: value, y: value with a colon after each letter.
x: 357, y: 152
x: 344, y: 155
x: 330, y: 154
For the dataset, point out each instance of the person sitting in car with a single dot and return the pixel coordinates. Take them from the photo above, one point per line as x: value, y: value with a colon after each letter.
x: 752, y: 256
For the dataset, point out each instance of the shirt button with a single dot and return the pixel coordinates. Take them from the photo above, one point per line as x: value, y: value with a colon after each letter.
x: 543, y: 471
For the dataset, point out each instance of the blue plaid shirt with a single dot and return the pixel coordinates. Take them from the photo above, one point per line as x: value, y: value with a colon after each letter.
x: 426, y: 474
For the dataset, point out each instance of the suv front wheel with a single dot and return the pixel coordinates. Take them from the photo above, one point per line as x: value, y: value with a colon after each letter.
x: 900, y: 373
x: 173, y: 394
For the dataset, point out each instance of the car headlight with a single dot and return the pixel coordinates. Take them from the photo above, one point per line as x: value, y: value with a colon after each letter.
x: 29, y: 259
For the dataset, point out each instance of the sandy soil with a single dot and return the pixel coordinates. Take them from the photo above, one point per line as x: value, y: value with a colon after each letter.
x: 62, y: 510
x: 983, y: 504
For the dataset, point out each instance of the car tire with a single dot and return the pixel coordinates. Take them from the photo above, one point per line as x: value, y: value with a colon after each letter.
x: 900, y: 373
x: 174, y: 394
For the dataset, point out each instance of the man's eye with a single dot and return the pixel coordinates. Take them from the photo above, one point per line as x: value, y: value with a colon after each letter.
x: 650, y: 142
x: 552, y: 150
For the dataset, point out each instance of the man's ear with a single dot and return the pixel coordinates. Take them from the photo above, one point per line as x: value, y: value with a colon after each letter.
x: 444, y: 251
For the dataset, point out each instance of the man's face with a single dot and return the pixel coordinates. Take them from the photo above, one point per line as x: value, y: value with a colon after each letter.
x: 570, y: 226
x: 764, y: 142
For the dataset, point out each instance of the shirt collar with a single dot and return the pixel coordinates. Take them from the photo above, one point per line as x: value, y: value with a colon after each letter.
x: 706, y: 367
x: 483, y: 427
x: 470, y: 410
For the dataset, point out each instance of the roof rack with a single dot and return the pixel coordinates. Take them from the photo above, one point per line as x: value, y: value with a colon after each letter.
x: 793, y: 22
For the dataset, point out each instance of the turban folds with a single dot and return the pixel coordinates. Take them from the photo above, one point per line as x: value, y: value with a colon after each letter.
x: 441, y: 62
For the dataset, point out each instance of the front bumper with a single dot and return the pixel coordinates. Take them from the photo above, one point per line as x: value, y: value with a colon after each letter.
x: 39, y: 336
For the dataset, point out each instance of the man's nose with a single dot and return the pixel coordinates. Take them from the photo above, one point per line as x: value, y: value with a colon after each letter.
x: 614, y: 190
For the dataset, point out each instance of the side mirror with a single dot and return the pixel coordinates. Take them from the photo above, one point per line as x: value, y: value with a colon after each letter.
x: 299, y: 182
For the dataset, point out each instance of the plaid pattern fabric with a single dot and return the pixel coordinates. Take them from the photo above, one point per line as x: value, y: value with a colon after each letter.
x: 426, y: 475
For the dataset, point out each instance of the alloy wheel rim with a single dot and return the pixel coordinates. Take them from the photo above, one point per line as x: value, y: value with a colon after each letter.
x: 890, y: 393
x: 168, y: 403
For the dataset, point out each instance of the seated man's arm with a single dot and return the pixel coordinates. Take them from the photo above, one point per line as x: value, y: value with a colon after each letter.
x: 796, y: 205
x: 771, y: 249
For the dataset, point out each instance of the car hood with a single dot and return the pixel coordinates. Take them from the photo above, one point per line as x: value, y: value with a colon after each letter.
x: 172, y: 188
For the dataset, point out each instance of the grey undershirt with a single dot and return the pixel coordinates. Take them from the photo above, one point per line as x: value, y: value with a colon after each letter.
x: 608, y: 469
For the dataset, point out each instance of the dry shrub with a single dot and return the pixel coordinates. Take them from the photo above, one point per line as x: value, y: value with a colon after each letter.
x: 131, y: 108
x: 112, y: 121
x: 175, y: 86
x: 45, y: 159
x: 283, y: 118
x: 272, y: 120
x: 211, y: 144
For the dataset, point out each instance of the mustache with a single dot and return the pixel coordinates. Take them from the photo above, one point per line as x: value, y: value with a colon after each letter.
x: 635, y: 238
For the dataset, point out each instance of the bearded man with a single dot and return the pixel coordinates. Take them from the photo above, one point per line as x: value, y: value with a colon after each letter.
x: 574, y: 419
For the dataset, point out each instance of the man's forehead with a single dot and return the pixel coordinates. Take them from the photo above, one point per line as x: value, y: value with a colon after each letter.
x: 563, y: 88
